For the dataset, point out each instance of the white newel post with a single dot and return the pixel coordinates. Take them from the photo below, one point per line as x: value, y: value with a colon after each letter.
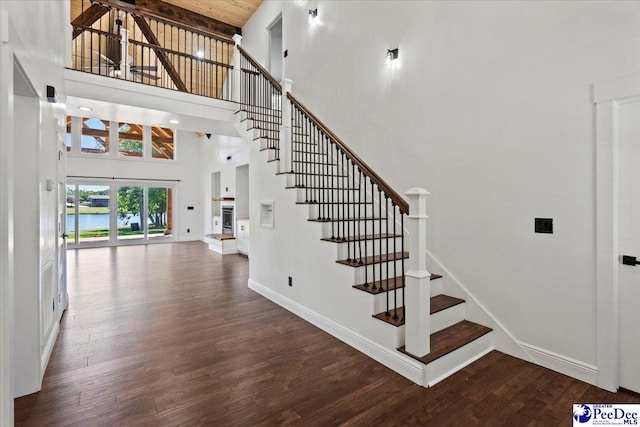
x: 417, y: 299
x: 235, y: 80
x: 285, y: 128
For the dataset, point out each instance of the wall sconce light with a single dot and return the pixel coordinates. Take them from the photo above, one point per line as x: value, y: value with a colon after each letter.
x: 392, y: 55
x: 313, y: 13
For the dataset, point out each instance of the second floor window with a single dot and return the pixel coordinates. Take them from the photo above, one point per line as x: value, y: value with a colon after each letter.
x: 130, y: 140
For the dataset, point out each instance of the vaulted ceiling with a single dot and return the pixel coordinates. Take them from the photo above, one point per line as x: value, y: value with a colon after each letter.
x: 234, y: 12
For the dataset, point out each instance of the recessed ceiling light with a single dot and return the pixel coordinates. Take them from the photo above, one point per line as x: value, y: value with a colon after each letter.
x: 174, y: 121
x: 85, y: 108
x: 200, y: 54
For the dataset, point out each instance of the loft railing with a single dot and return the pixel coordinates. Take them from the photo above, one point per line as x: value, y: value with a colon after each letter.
x: 364, y: 211
x: 261, y: 101
x: 116, y: 40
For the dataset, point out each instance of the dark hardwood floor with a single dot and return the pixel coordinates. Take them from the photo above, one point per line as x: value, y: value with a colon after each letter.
x: 169, y: 334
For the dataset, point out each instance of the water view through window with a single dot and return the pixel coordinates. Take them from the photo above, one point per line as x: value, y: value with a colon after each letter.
x: 136, y: 213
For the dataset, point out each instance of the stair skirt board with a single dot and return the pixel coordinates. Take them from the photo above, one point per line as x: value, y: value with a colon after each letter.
x: 391, y: 358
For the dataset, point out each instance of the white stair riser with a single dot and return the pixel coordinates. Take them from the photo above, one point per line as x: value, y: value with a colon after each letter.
x: 435, y: 287
x: 371, y: 226
x: 380, y: 300
x: 331, y: 181
x: 449, y: 317
x: 359, y: 272
x: 367, y: 247
x: 347, y: 194
x: 449, y: 364
x: 341, y: 211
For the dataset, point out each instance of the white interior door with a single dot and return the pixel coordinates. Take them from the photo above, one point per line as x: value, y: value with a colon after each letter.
x: 629, y: 119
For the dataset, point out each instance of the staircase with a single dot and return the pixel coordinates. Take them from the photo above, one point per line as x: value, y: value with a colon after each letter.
x: 364, y: 218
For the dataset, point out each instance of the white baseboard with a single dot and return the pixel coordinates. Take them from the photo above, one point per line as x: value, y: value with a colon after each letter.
x: 48, y: 348
x: 392, y: 359
x: 563, y: 364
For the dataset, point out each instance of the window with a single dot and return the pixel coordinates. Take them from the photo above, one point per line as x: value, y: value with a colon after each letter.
x: 130, y: 140
x: 131, y: 213
x: 67, y: 138
x: 118, y: 212
x: 162, y: 146
x: 133, y: 140
x: 95, y: 136
x: 88, y: 213
x: 160, y: 215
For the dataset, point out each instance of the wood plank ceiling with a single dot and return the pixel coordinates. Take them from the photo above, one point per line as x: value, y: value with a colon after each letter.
x: 234, y: 12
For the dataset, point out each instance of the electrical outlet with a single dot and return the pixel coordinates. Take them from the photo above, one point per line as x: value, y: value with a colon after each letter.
x: 544, y: 225
x: 290, y: 281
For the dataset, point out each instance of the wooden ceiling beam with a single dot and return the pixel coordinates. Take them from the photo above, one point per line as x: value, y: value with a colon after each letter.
x: 160, y: 150
x: 187, y: 17
x: 88, y: 17
x: 160, y: 54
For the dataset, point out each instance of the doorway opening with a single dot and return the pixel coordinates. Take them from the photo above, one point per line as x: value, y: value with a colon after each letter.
x: 275, y: 58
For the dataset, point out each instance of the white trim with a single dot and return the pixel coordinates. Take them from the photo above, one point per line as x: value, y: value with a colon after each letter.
x: 607, y: 97
x: 563, y: 364
x: 6, y: 220
x: 475, y: 348
x: 503, y: 340
x: 617, y: 89
x: 48, y: 350
x: 392, y: 359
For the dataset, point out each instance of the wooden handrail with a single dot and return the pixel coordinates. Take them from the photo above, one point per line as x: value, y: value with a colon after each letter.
x: 97, y: 31
x: 136, y: 10
x: 184, y: 55
x: 260, y: 68
x: 402, y: 204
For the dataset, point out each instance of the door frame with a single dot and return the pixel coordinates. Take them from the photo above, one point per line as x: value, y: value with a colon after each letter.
x: 269, y: 29
x: 113, y: 185
x: 607, y: 98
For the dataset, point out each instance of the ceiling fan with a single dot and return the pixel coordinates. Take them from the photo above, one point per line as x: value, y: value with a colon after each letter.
x: 112, y: 69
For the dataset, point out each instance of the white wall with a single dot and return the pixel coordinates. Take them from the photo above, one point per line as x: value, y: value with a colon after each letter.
x: 33, y: 31
x: 213, y: 158
x: 490, y: 109
x: 186, y: 168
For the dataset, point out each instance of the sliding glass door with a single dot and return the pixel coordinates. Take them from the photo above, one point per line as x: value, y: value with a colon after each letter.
x: 116, y: 213
x: 88, y: 213
x: 131, y: 213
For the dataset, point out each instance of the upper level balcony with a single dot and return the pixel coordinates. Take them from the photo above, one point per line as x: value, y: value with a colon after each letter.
x: 118, y: 40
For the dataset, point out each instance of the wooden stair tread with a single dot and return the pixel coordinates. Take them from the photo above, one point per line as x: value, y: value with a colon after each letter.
x: 450, y: 339
x: 375, y: 259
x: 314, y: 174
x: 309, y: 154
x: 316, y: 163
x: 345, y: 219
x: 380, y: 285
x: 265, y: 137
x: 334, y: 203
x: 442, y: 302
x: 303, y: 187
x: 436, y: 304
x: 361, y: 238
